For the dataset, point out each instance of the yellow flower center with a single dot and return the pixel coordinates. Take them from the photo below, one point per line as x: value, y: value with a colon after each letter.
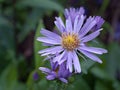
x: 70, y: 41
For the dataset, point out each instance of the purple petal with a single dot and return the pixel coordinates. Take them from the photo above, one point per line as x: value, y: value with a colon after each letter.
x: 91, y: 56
x: 50, y: 34
x: 59, y: 57
x: 45, y: 70
x: 63, y: 80
x: 50, y: 77
x: 52, y: 50
x: 69, y: 61
x: 100, y: 22
x: 69, y: 25
x: 60, y: 25
x: 91, y: 36
x: 49, y: 40
x: 93, y: 50
x: 90, y: 23
x: 53, y: 65
x: 76, y: 63
x: 80, y: 23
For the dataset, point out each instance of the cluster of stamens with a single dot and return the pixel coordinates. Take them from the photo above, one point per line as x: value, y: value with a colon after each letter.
x: 70, y: 41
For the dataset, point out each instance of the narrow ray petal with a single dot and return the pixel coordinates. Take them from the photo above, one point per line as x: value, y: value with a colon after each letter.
x: 68, y: 25
x: 90, y: 23
x: 93, y: 50
x: 60, y: 25
x: 69, y: 61
x: 80, y: 23
x: 49, y: 40
x: 50, y: 77
x: 45, y: 70
x: 91, y: 56
x: 59, y: 57
x: 55, y: 48
x: 91, y: 36
x: 50, y: 34
x: 76, y: 63
x: 63, y: 80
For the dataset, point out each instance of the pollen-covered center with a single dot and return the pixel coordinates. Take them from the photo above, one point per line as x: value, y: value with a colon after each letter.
x: 70, y: 41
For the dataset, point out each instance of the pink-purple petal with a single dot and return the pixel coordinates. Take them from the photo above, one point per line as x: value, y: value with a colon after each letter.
x: 93, y: 50
x: 76, y: 23
x: 76, y: 63
x: 59, y: 57
x: 90, y: 23
x: 55, y: 48
x: 45, y: 70
x: 91, y: 36
x: 69, y: 61
x: 80, y: 23
x: 60, y: 25
x: 49, y: 40
x: 63, y: 80
x: 91, y: 56
x: 50, y: 34
x: 68, y: 25
x: 50, y: 77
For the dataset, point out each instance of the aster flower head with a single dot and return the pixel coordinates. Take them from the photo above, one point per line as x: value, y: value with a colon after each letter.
x: 56, y: 72
x: 71, y: 42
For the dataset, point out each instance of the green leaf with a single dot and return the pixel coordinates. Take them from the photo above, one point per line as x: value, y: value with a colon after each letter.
x: 78, y: 84
x: 45, y: 4
x: 102, y: 86
x: 8, y: 78
x: 100, y: 73
x: 85, y: 65
x: 38, y: 46
x: 113, y: 59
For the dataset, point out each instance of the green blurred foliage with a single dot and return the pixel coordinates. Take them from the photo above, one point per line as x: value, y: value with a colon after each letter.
x: 20, y: 24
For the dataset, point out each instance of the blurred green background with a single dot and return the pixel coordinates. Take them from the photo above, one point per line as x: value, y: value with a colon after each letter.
x: 20, y: 23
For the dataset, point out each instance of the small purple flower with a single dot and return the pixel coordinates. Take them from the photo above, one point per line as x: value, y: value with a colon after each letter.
x: 35, y: 76
x: 56, y: 72
x: 72, y: 40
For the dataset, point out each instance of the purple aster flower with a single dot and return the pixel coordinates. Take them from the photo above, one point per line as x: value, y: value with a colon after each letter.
x: 56, y: 72
x: 72, y: 41
x: 35, y: 76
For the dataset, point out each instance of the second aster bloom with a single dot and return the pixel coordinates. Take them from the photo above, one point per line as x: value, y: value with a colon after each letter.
x: 56, y: 72
x: 72, y: 40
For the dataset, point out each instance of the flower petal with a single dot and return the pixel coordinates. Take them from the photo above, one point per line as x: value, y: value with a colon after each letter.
x: 76, y: 63
x: 93, y: 50
x: 63, y: 80
x: 60, y: 25
x: 49, y: 40
x: 59, y: 57
x: 69, y: 25
x: 90, y: 23
x: 50, y: 77
x: 78, y: 23
x: 52, y: 50
x: 45, y: 70
x: 50, y: 34
x: 69, y: 61
x: 91, y: 36
x: 91, y: 56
